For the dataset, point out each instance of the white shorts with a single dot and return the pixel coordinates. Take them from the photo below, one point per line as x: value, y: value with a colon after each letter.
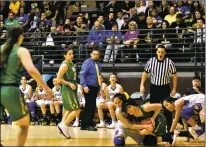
x: 101, y: 100
x: 40, y: 102
x: 81, y: 101
x: 121, y: 131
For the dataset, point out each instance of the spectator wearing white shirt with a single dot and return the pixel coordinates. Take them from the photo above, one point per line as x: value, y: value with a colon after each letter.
x: 120, y: 20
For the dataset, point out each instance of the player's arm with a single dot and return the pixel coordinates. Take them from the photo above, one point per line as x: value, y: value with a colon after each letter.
x: 121, y: 90
x: 178, y: 108
x: 26, y: 60
x: 153, y: 107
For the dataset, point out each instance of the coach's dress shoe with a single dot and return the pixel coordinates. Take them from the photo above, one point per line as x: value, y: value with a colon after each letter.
x: 83, y: 128
x: 91, y: 128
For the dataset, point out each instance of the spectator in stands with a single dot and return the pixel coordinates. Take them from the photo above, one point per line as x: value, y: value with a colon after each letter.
x: 148, y: 37
x: 44, y: 24
x: 68, y: 36
x: 14, y: 6
x: 101, y: 21
x: 113, y: 39
x: 151, y: 6
x: 124, y: 26
x: 50, y: 12
x: 113, y: 7
x: 60, y: 9
x: 180, y: 27
x: 171, y: 17
x: 197, y: 15
x: 4, y: 8
x: 23, y: 19
x: 196, y: 86
x: 1, y: 18
x: 180, y: 8
x: 57, y: 99
x: 26, y: 89
x: 10, y: 20
x: 96, y: 38
x: 126, y: 6
x: 200, y: 32
x: 40, y: 100
x: 140, y: 7
x: 166, y: 37
x: 133, y: 15
x: 35, y: 17
x: 163, y: 9
x: 78, y: 23
x: 81, y: 100
x: 85, y: 18
x: 131, y: 40
x: 142, y: 21
x: 69, y: 25
x: 110, y: 91
x: 2, y: 31
x: 157, y: 20
x: 109, y: 21
x: 196, y: 6
x: 120, y: 20
x: 26, y: 6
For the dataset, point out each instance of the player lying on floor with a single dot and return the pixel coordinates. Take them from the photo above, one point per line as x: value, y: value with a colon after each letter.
x: 186, y: 107
x: 142, y: 130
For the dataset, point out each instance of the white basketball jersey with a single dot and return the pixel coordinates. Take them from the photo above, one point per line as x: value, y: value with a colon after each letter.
x: 41, y: 93
x: 57, y: 93
x: 25, y: 91
x: 112, y: 91
x: 79, y: 90
x: 193, y: 99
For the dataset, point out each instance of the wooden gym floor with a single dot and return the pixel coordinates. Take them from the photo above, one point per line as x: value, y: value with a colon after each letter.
x: 49, y: 136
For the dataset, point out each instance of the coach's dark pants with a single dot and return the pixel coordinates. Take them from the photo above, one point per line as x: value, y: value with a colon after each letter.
x: 157, y: 95
x: 90, y: 106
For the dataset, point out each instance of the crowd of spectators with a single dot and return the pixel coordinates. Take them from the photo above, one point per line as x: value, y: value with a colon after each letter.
x: 133, y: 26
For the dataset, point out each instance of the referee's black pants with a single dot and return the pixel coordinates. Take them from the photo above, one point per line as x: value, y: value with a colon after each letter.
x: 157, y: 95
x: 90, y: 106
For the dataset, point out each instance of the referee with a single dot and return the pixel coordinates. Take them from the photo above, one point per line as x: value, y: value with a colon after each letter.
x: 160, y: 68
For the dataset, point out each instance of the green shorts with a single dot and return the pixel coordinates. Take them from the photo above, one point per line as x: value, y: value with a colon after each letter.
x: 13, y: 100
x: 160, y: 125
x: 69, y: 98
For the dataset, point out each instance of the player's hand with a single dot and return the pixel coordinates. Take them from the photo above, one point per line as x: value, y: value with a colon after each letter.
x: 142, y: 89
x: 150, y: 128
x: 86, y: 89
x: 152, y: 122
x: 73, y: 86
x: 173, y: 93
x: 49, y: 92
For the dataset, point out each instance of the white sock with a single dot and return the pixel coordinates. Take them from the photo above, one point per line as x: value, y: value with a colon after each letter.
x: 77, y: 119
x: 101, y: 121
x: 196, y: 127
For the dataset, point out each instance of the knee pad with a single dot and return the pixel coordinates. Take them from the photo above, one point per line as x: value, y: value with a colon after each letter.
x: 150, y: 140
x: 119, y: 141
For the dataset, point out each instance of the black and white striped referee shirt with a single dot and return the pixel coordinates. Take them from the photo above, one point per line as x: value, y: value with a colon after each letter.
x: 160, y: 70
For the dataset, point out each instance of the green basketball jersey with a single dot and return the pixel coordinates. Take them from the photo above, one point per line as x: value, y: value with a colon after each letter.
x: 71, y: 74
x: 12, y: 72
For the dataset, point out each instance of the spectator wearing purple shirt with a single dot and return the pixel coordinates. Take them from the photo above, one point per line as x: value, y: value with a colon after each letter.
x: 96, y: 38
x: 157, y: 20
x: 131, y: 40
x: 23, y: 19
x: 182, y: 9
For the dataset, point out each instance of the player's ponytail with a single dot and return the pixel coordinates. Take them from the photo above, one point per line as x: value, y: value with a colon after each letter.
x: 13, y: 33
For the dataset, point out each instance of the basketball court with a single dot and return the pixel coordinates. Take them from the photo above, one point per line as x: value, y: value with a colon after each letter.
x: 49, y: 136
